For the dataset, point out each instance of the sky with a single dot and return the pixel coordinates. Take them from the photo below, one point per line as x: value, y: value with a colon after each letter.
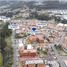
x: 34, y: 0
x: 44, y: 0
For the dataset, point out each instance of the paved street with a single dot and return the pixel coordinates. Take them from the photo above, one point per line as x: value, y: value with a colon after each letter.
x: 15, y: 50
x: 60, y: 59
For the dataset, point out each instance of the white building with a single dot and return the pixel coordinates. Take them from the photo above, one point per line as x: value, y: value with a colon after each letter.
x: 29, y: 46
x: 4, y: 18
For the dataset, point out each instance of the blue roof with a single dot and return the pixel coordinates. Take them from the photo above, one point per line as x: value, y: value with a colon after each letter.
x: 34, y: 29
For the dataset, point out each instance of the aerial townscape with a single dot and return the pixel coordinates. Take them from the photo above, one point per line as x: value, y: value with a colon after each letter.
x: 33, y: 33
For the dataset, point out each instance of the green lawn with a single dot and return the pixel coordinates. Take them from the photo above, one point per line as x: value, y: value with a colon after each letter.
x: 9, y: 51
x: 1, y: 60
x: 7, y: 46
x: 9, y: 41
x: 42, y: 53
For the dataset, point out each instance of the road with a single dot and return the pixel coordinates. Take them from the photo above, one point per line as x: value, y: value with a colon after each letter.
x: 14, y: 49
x: 60, y: 59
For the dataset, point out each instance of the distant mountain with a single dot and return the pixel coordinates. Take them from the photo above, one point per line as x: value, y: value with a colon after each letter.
x: 52, y: 5
x: 47, y: 4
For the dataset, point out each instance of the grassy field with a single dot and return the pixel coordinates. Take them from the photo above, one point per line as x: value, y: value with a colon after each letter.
x: 9, y: 41
x: 1, y: 60
x: 7, y: 46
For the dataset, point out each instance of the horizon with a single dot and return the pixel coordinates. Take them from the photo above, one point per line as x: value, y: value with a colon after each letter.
x: 36, y: 0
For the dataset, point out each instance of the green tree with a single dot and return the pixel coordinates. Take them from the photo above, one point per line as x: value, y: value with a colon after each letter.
x: 5, y: 33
